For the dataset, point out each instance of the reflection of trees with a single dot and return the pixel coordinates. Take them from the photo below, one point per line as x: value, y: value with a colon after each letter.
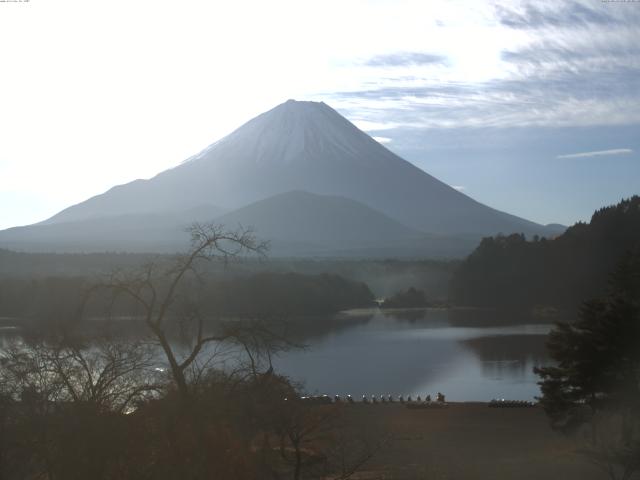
x: 477, y: 317
x: 513, y: 348
x: 410, y: 315
x: 511, y: 356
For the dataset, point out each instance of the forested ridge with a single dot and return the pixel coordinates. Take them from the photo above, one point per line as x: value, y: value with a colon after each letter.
x: 511, y: 271
x: 51, y: 300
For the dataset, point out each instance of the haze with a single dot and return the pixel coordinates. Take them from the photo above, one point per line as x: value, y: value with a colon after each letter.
x: 98, y: 94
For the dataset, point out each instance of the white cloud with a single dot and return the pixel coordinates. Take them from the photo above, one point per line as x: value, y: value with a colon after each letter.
x: 383, y: 140
x: 598, y: 153
x: 459, y: 187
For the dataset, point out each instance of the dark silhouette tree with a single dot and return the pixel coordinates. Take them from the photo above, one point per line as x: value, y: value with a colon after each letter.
x: 411, y: 298
x: 63, y: 404
x: 162, y: 292
x: 596, y: 379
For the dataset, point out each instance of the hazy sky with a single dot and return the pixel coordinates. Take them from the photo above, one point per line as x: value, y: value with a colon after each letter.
x: 529, y: 107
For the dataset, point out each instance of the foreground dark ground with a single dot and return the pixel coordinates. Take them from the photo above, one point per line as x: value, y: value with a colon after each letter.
x: 469, y: 441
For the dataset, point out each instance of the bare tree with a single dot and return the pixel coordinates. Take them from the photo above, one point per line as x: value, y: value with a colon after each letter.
x: 349, y: 450
x: 158, y: 290
x: 67, y: 397
x: 110, y: 376
x: 259, y: 342
x: 323, y: 440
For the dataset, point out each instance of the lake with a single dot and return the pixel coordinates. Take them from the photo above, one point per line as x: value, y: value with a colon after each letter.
x: 469, y: 355
x: 464, y: 354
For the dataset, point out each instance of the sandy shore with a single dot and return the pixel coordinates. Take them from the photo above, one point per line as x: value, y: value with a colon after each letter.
x: 469, y: 441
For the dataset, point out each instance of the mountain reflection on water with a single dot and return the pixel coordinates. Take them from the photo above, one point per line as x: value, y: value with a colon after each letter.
x: 467, y: 354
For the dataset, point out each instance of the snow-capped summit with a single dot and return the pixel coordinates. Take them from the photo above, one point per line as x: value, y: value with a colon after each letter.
x: 293, y: 131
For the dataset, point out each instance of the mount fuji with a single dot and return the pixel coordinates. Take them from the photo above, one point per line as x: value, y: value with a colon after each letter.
x: 300, y: 173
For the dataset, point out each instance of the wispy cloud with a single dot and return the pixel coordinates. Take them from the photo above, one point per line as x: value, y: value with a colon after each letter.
x: 598, y: 153
x: 574, y: 63
x: 571, y: 14
x: 565, y: 99
x: 403, y: 59
x: 460, y: 188
x: 383, y: 140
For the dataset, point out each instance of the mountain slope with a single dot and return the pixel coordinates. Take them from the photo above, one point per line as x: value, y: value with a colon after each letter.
x: 137, y: 232
x: 304, y: 146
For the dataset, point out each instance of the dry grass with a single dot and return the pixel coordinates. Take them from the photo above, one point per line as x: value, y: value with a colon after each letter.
x: 469, y: 441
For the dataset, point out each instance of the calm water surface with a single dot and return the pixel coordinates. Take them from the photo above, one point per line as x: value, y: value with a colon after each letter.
x: 468, y: 355
x: 371, y: 352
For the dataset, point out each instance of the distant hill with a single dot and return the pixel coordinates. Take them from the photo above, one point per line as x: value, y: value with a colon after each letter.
x: 575, y: 266
x: 296, y: 146
x: 301, y: 223
x: 295, y: 223
x: 302, y: 217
